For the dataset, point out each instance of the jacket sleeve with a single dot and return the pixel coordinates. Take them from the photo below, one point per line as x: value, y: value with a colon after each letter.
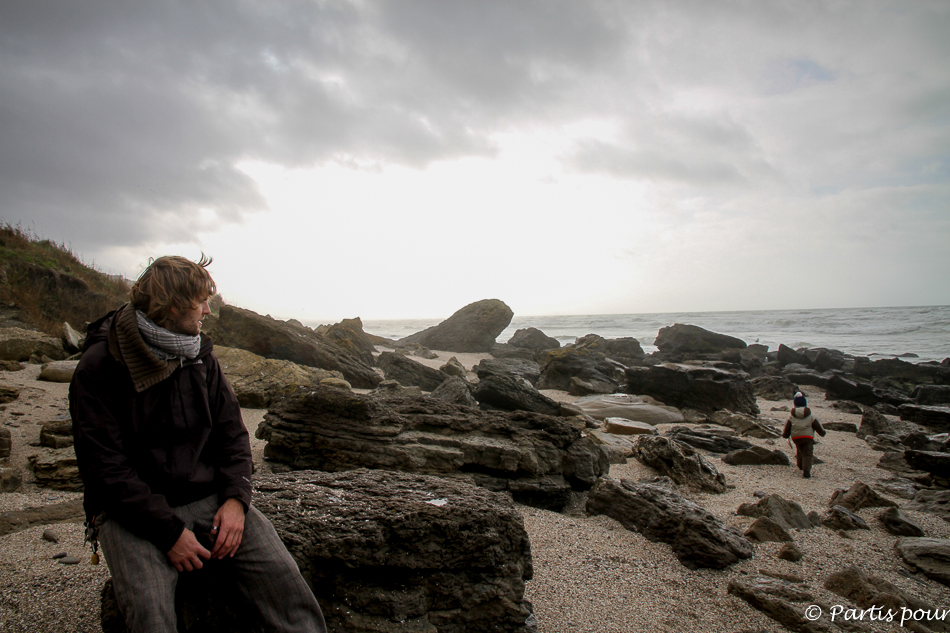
x: 787, y: 431
x: 105, y: 466
x: 233, y: 441
x: 818, y: 427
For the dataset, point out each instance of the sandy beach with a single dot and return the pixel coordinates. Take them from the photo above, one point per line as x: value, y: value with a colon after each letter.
x: 590, y: 574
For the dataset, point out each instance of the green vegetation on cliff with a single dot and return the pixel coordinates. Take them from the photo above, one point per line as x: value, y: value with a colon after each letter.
x: 50, y: 285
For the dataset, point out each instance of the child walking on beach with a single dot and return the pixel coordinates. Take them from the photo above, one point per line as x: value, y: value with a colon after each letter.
x: 801, y: 426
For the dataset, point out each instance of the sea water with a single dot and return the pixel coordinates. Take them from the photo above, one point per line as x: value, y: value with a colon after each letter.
x: 872, y: 332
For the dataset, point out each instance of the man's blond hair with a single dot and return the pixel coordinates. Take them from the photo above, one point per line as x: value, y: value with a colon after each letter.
x: 172, y: 282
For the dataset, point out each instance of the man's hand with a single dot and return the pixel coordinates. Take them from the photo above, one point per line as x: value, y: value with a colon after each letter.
x: 230, y: 522
x: 187, y: 552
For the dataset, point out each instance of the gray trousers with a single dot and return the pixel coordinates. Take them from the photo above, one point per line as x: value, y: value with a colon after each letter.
x: 145, y: 580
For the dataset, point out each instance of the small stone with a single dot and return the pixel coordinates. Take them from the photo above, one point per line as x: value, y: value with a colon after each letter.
x: 790, y: 552
x: 60, y: 555
x: 51, y: 536
x: 844, y: 534
x: 69, y: 560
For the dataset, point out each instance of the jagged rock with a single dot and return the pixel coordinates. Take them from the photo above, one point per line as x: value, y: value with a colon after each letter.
x: 423, y: 352
x: 258, y: 381
x: 911, y: 374
x: 696, y: 386
x: 843, y: 427
x: 58, y: 371
x: 72, y: 340
x: 765, y: 530
x: 756, y: 456
x: 679, y: 462
x: 19, y: 520
x: 533, y: 339
x: 846, y: 406
x: 930, y: 556
x: 786, y: 603
x: 337, y: 383
x: 621, y: 426
x: 622, y: 405
x: 935, y: 463
x: 691, y: 339
x: 510, y: 393
x: 625, y: 350
x: 885, y: 443
x: 934, y: 417
x: 708, y: 440
x: 17, y: 344
x: 384, y: 551
x: 348, y: 334
x: 898, y: 524
x: 788, y: 514
x: 618, y: 448
x: 894, y: 461
x: 814, y: 518
x: 931, y: 395
x: 500, y: 350
x: 455, y: 390
x: 932, y: 501
x: 873, y: 422
x: 58, y: 432
x: 787, y: 356
x: 840, y: 518
x: 267, y: 337
x: 858, y: 496
x: 517, y: 367
x: 746, y: 425
x: 697, y: 537
x: 474, y: 328
x: 536, y: 457
x: 560, y: 365
x: 454, y: 368
x: 790, y: 552
x: 774, y: 387
x: 57, y: 469
x: 6, y: 443
x: 8, y: 394
x: 871, y: 591
x: 804, y: 376
x: 580, y: 387
x: 391, y: 388
x: 408, y: 372
x: 898, y: 486
x: 840, y: 388
x: 10, y: 479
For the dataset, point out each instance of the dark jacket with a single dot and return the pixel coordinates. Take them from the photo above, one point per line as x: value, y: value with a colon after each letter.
x: 141, y: 452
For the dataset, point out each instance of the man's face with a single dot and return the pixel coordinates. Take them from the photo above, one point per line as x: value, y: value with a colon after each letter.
x: 188, y: 321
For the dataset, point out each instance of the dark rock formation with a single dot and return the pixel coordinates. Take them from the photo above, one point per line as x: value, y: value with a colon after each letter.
x: 58, y: 432
x: 840, y: 518
x: 267, y: 337
x: 454, y: 368
x: 931, y: 395
x: 707, y: 440
x: 10, y: 479
x: 6, y: 443
x: 930, y: 556
x: 846, y: 406
x: 348, y: 335
x: 533, y: 339
x: 679, y: 462
x: 625, y: 350
x: 766, y: 530
x: 408, y: 372
x: 858, y: 496
x: 898, y: 524
x: 873, y: 422
x: 787, y: 356
x: 455, y: 390
x: 510, y: 393
x: 934, y: 417
x: 57, y: 469
x: 474, y: 328
x: 871, y: 591
x: 691, y: 339
x: 928, y: 461
x: 933, y: 501
x: 388, y: 551
x: 538, y: 458
x: 756, y: 456
x: 774, y: 388
x: 697, y: 537
x: 902, y: 374
x: 844, y: 427
x: 788, y: 514
x: 695, y: 386
x: 790, y: 552
x: 560, y: 365
x: 518, y: 367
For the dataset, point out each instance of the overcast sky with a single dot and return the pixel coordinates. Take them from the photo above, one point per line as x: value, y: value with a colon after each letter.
x: 405, y: 158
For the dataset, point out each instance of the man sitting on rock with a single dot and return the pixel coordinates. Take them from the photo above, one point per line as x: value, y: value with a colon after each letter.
x: 801, y: 426
x: 164, y: 456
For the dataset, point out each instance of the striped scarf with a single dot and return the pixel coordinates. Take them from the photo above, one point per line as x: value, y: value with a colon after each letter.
x: 164, y: 344
x: 145, y: 367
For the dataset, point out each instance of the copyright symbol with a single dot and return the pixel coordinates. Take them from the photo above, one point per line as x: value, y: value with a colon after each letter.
x: 813, y: 612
